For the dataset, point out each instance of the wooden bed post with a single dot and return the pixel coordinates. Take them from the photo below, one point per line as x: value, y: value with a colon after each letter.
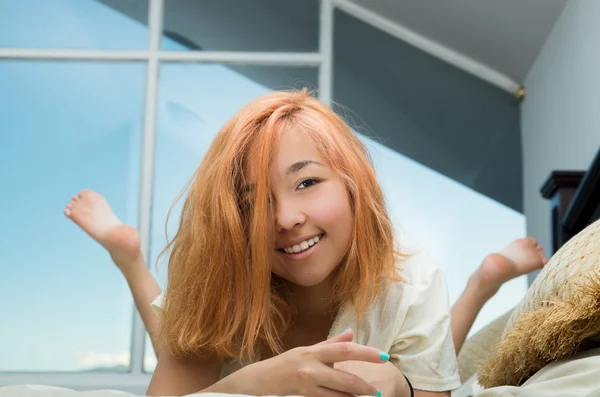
x: 559, y: 188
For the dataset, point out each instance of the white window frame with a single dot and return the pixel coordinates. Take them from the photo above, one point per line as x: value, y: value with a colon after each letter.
x: 136, y: 380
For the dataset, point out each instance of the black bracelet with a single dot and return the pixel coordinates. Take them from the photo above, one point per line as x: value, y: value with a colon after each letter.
x: 412, y: 391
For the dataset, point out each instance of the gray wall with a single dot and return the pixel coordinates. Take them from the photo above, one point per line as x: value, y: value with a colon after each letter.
x: 428, y: 110
x: 560, y: 118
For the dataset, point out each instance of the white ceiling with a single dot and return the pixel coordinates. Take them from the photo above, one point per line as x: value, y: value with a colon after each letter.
x: 506, y: 35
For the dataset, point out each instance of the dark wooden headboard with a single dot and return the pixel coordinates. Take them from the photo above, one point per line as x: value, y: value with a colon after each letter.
x: 574, y: 201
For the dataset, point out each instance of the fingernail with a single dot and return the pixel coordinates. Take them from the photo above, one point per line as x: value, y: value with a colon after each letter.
x: 344, y: 331
x: 384, y: 356
x: 378, y: 393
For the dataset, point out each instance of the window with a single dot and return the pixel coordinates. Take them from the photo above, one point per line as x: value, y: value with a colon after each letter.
x: 79, y: 123
x: 65, y: 126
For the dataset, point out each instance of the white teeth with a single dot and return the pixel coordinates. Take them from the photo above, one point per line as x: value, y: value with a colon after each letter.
x: 302, y: 246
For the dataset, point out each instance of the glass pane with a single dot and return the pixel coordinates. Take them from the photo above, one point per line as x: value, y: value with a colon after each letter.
x: 75, y: 24
x: 433, y: 125
x: 65, y: 127
x: 195, y: 101
x: 242, y: 25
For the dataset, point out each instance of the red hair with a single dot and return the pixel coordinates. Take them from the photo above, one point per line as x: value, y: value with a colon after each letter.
x: 221, y: 297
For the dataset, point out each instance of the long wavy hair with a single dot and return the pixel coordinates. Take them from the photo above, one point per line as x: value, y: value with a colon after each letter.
x: 221, y: 296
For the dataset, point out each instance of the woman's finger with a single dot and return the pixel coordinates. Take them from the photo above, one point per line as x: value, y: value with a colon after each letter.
x: 346, y: 351
x: 343, y: 382
x: 345, y: 336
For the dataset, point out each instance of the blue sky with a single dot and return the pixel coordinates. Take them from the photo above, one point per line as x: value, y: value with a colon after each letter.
x: 66, y: 126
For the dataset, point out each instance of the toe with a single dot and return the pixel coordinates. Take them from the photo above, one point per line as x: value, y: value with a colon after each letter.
x: 541, y: 254
x: 85, y: 192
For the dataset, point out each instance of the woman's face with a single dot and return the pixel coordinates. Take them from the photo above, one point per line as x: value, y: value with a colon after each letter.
x: 313, y: 215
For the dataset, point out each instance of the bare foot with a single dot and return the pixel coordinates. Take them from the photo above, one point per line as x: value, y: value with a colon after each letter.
x: 520, y: 257
x: 90, y: 211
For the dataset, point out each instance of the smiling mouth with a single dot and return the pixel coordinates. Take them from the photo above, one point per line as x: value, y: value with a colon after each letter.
x: 302, y: 247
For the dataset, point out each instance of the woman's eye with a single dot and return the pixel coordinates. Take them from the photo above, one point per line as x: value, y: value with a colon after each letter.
x: 307, y: 183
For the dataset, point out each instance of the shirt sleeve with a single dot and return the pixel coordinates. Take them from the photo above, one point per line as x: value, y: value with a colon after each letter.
x: 424, y: 349
x: 158, y: 303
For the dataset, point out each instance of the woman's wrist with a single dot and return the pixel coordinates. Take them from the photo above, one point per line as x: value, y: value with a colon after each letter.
x: 411, y: 392
x: 405, y: 388
x: 239, y: 382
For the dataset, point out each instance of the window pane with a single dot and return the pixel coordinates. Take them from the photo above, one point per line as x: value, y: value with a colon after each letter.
x: 438, y: 132
x: 242, y: 25
x: 195, y: 101
x: 76, y: 24
x: 65, y: 127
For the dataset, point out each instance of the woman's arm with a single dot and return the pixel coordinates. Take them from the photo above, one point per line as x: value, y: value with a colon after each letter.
x: 303, y: 371
x: 175, y: 376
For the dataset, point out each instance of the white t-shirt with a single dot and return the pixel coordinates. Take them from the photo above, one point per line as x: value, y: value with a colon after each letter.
x: 411, y: 323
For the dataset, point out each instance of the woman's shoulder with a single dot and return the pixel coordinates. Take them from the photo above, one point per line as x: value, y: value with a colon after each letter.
x: 417, y: 274
x: 415, y: 265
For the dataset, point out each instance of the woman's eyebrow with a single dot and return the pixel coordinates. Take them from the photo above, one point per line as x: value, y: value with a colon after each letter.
x: 298, y: 165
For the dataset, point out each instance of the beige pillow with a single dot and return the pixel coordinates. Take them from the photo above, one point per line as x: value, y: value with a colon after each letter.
x: 559, y: 312
x: 480, y: 347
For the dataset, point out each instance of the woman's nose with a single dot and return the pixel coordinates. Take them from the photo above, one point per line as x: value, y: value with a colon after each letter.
x: 288, y: 216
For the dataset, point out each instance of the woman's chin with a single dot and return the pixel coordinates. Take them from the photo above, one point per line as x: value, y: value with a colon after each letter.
x: 309, y: 280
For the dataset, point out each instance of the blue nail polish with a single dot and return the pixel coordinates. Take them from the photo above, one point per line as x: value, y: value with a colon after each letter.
x: 384, y: 356
x: 344, y: 331
x: 378, y: 393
